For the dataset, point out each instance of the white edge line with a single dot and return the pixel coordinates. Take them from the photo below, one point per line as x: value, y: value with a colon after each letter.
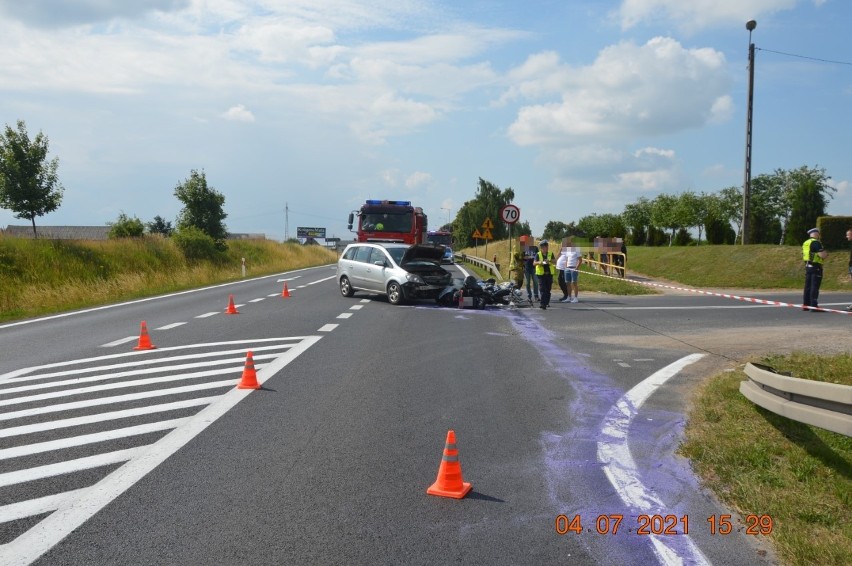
x: 621, y: 470
x: 75, y: 511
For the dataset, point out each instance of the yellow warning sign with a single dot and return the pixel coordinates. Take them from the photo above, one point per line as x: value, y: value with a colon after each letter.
x: 487, y: 235
x: 488, y: 225
x: 476, y: 234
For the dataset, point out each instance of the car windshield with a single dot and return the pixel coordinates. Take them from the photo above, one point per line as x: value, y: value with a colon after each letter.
x: 396, y: 254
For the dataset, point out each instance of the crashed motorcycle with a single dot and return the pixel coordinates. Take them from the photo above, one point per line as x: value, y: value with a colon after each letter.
x: 477, y: 294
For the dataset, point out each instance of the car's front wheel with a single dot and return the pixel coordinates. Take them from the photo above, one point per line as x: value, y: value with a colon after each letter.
x: 395, y: 293
x: 346, y: 287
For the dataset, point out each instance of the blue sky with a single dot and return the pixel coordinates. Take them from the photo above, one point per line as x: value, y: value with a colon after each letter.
x: 580, y: 106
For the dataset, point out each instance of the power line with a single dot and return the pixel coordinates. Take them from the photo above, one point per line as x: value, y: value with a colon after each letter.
x: 805, y: 57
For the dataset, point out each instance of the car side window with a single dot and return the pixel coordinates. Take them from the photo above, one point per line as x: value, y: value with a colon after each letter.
x: 350, y: 253
x: 378, y: 255
x: 363, y: 254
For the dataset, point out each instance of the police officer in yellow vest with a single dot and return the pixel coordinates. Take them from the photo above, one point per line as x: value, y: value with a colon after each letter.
x: 813, y: 255
x: 545, y: 269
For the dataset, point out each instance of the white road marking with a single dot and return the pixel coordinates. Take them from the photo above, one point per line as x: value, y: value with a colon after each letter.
x: 274, y: 295
x: 120, y: 341
x: 257, y: 300
x: 288, y: 279
x: 365, y: 300
x: 69, y: 466
x: 643, y: 359
x: 170, y: 326
x: 71, y: 509
x: 34, y: 507
x: 207, y: 314
x: 319, y: 281
x: 328, y: 327
x: 117, y: 399
x: 624, y: 365
x: 235, y: 370
x: 50, y: 445
x: 344, y: 315
x: 103, y: 417
x: 356, y: 307
x: 622, y: 472
x: 142, y: 353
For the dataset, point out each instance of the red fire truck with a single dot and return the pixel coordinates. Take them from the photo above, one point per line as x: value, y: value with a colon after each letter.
x: 389, y: 221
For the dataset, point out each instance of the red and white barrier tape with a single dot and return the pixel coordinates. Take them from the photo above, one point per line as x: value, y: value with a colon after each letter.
x: 724, y: 295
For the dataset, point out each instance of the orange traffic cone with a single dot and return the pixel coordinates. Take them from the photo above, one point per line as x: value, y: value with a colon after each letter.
x: 286, y: 292
x: 450, y: 482
x: 249, y: 380
x: 231, y: 308
x: 144, y: 339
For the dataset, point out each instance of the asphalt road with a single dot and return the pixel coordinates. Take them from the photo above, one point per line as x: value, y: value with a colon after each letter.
x: 115, y: 456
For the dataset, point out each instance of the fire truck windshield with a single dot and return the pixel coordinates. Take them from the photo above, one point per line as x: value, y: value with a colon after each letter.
x: 387, y: 222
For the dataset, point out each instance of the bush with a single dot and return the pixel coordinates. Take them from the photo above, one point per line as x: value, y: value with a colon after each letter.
x: 126, y: 227
x: 195, y: 244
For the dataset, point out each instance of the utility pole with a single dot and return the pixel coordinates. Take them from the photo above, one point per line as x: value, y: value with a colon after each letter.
x: 286, y: 222
x: 750, y: 25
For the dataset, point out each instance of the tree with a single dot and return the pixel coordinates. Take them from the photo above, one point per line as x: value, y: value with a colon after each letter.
x: 487, y: 204
x: 808, y: 201
x: 29, y: 185
x: 126, y: 227
x: 160, y: 226
x: 664, y: 215
x: 555, y: 230
x: 202, y: 207
x: 637, y: 216
x: 689, y: 211
x: 730, y: 208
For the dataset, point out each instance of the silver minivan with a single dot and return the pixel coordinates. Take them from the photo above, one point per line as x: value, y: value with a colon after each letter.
x: 400, y: 271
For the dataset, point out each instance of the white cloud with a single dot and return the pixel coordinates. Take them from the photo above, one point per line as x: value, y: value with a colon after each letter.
x: 238, y: 113
x: 417, y: 180
x: 697, y: 14
x: 629, y: 91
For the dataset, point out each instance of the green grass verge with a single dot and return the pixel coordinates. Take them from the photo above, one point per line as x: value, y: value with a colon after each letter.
x: 40, y: 277
x: 760, y: 463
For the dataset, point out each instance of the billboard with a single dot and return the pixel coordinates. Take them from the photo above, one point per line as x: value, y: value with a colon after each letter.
x: 310, y: 232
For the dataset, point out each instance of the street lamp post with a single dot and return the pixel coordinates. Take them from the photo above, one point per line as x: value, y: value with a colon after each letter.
x: 448, y: 214
x: 750, y: 25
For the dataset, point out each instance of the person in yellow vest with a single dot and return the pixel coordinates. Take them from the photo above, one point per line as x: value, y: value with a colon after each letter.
x: 813, y: 255
x: 545, y: 268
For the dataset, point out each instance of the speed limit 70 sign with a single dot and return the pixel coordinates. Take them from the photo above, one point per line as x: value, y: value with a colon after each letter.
x: 510, y: 213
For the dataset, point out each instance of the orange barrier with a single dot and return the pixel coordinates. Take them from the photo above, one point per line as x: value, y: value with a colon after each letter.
x: 231, y: 308
x: 249, y: 379
x: 450, y: 482
x: 144, y: 340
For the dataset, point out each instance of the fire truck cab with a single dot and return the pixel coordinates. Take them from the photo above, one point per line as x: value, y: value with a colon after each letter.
x: 389, y: 221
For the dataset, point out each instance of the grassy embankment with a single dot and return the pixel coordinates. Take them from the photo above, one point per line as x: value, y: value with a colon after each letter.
x: 38, y: 277
x: 763, y: 464
x: 758, y: 463
x: 755, y: 461
x: 730, y: 267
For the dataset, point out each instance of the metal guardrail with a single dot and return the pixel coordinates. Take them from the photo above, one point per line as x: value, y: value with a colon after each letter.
x: 826, y: 405
x: 488, y: 266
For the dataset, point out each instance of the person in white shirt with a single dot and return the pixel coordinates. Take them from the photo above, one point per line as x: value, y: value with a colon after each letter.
x: 573, y: 260
x: 560, y: 273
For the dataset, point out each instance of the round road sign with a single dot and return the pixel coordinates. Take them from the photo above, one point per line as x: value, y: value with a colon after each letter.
x: 510, y: 213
